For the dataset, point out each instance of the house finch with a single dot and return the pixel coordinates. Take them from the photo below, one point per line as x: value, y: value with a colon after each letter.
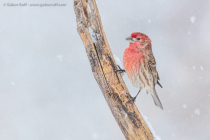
x: 140, y: 65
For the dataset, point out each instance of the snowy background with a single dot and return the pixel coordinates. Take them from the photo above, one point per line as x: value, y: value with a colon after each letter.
x: 47, y: 89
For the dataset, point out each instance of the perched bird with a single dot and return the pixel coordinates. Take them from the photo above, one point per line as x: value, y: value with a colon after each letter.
x: 140, y: 65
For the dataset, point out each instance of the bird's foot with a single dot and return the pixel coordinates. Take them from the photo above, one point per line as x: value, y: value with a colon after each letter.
x: 121, y: 71
x: 132, y: 100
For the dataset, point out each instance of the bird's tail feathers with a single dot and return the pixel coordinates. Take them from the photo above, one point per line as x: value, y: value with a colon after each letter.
x: 156, y: 100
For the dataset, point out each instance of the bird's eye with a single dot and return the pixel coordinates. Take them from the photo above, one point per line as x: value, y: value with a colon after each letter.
x: 138, y: 38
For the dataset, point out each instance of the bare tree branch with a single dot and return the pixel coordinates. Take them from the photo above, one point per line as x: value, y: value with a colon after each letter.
x: 103, y: 66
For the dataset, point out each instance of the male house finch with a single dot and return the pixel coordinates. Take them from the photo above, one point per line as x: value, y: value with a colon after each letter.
x: 140, y: 65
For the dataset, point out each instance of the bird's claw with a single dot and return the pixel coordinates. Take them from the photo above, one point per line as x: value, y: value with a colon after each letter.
x: 120, y: 70
x: 133, y: 99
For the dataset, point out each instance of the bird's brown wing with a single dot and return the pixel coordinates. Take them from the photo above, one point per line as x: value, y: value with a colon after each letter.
x: 152, y: 68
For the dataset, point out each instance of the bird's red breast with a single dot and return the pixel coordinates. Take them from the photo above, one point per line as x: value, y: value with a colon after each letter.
x: 132, y: 59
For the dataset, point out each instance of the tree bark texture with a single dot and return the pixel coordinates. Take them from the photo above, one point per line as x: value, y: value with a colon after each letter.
x: 103, y: 67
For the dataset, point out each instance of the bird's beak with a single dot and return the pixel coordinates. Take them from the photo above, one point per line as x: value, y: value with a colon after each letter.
x: 130, y: 39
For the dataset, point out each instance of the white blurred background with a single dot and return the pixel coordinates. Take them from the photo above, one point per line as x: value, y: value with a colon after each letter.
x: 47, y: 89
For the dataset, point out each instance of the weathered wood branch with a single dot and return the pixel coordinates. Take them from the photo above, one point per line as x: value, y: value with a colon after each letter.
x: 103, y: 66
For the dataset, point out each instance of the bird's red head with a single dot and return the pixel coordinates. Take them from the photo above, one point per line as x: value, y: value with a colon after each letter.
x: 139, y: 40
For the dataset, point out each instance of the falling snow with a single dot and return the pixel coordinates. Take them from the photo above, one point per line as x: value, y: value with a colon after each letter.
x: 197, y: 112
x: 184, y: 106
x: 192, y: 19
x: 60, y: 57
x: 201, y: 67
